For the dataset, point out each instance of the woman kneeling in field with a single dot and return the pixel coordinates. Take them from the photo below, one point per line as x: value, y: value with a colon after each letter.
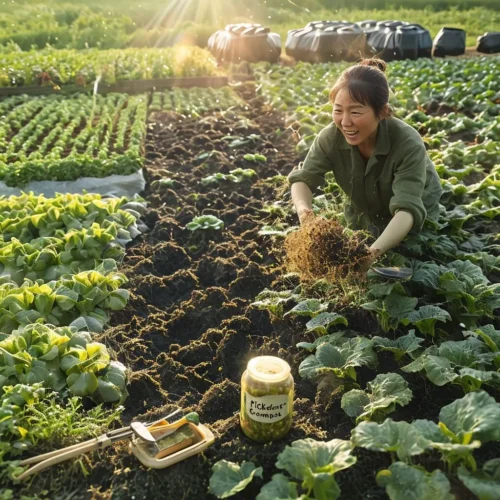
x: 379, y: 161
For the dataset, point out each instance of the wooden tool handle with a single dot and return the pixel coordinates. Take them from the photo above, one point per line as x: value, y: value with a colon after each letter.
x: 50, y: 454
x: 72, y: 452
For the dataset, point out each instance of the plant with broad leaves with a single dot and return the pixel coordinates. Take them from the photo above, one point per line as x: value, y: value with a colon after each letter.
x: 485, y: 484
x: 392, y: 309
x: 491, y: 337
x: 309, y: 307
x: 60, y: 357
x: 463, y: 362
x: 399, y: 438
x: 315, y: 463
x: 336, y: 339
x: 403, y: 481
x: 425, y: 318
x: 408, y: 344
x: 84, y: 295
x: 384, y: 392
x: 229, y: 478
x: 205, y: 223
x: 341, y: 361
x: 274, y: 301
x: 323, y: 321
x: 463, y: 426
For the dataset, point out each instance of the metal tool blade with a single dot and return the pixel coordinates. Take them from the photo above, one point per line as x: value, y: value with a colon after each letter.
x: 401, y: 273
x: 141, y: 431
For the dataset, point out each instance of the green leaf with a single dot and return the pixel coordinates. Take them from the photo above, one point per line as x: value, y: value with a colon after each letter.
x: 425, y: 318
x: 309, y: 307
x: 229, y: 478
x: 484, y: 484
x: 335, y: 339
x: 407, y: 344
x: 475, y: 415
x: 322, y: 322
x: 390, y: 436
x: 315, y: 463
x: 354, y: 402
x: 82, y: 384
x: 280, y: 488
x: 339, y: 360
x: 385, y: 391
x: 403, y: 482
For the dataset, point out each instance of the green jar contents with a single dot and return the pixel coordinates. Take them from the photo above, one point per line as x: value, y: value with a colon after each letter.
x: 266, y: 399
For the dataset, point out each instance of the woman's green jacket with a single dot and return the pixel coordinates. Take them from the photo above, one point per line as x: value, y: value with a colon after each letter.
x: 398, y: 175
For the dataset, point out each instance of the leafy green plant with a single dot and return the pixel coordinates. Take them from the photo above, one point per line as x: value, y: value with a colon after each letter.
x: 205, y: 223
x: 460, y: 362
x: 396, y: 438
x: 274, y: 301
x: 485, y: 484
x: 84, y: 295
x: 341, y: 361
x: 408, y: 344
x: 59, y: 358
x: 308, y: 307
x: 392, y: 309
x: 384, y: 392
x: 229, y: 478
x: 403, y: 481
x: 255, y: 157
x: 323, y: 321
x: 315, y: 463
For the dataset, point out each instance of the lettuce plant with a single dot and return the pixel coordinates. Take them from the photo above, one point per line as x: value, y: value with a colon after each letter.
x: 86, y: 294
x: 308, y: 307
x: 392, y: 309
x: 59, y: 358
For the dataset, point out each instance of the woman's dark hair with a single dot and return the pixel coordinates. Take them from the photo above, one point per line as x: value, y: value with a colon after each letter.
x: 366, y: 83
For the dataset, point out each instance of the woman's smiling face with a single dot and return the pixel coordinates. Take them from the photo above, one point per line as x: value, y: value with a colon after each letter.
x: 356, y: 121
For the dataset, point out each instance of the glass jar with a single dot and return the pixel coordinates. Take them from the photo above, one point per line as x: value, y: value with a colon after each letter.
x: 266, y: 399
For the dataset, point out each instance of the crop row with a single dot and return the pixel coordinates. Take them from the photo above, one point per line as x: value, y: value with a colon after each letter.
x: 193, y: 102
x: 441, y: 323
x: 58, y: 260
x: 63, y: 67
x: 58, y: 138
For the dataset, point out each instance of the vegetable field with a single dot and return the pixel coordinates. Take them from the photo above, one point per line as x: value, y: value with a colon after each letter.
x: 57, y: 138
x: 115, y: 309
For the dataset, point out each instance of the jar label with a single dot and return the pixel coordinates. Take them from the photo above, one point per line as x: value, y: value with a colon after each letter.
x: 267, y: 409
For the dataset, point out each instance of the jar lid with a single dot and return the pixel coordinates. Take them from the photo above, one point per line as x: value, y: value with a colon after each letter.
x: 268, y: 368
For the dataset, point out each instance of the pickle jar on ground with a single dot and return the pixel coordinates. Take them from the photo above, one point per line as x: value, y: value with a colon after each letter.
x: 266, y: 399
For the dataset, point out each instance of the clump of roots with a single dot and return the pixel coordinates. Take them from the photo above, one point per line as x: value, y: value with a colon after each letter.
x: 322, y: 249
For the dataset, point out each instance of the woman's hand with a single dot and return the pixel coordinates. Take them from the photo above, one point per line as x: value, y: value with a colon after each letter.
x: 305, y: 214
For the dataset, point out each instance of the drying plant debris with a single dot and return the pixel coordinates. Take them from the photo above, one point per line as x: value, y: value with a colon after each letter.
x: 321, y: 248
